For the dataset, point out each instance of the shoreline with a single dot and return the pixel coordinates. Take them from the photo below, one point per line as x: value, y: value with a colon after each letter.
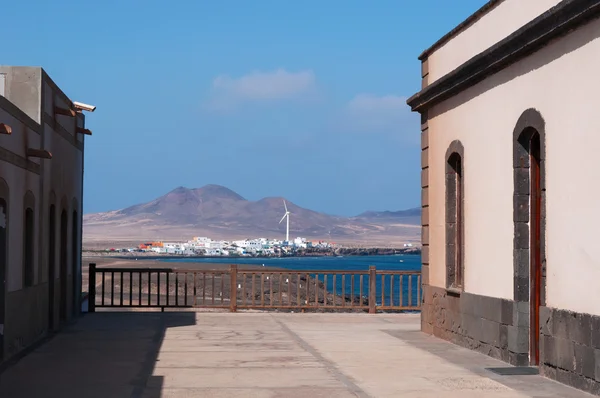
x: 133, y: 256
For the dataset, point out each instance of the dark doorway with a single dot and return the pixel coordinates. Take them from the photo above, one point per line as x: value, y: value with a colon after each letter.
x: 75, y: 261
x: 63, y: 265
x: 535, y: 240
x: 3, y: 226
x: 51, y: 265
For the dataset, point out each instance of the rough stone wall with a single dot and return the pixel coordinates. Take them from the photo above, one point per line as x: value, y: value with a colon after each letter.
x: 485, y: 324
x: 570, y: 348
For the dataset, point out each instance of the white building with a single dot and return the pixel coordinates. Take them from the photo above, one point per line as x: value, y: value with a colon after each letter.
x: 300, y: 242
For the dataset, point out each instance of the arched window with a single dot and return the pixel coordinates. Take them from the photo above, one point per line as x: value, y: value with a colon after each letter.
x: 28, y: 240
x: 454, y: 217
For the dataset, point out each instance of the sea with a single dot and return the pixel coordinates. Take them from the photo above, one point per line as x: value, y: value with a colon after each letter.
x: 399, y: 262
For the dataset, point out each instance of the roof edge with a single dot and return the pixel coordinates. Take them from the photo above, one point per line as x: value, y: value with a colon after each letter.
x: 476, y: 16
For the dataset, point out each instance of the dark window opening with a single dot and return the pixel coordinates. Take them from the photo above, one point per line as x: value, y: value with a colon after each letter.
x: 454, y: 222
x: 75, y: 261
x: 51, y: 264
x: 28, y: 266
x: 63, y: 265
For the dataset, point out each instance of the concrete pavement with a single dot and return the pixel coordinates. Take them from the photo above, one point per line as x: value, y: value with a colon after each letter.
x: 198, y: 354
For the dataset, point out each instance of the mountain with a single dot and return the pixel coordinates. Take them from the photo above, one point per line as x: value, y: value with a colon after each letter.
x: 219, y: 213
x: 410, y: 216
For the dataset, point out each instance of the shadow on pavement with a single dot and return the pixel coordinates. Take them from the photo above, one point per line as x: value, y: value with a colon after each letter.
x: 105, y: 354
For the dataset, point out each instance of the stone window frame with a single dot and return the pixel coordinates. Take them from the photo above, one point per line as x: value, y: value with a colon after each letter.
x: 455, y: 227
x: 28, y: 259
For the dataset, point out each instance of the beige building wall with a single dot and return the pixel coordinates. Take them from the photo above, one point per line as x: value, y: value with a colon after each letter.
x: 561, y: 82
x: 505, y: 18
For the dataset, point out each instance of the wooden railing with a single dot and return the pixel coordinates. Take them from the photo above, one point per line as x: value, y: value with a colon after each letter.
x: 370, y: 290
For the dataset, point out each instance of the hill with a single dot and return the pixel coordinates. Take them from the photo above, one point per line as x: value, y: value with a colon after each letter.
x: 221, y: 213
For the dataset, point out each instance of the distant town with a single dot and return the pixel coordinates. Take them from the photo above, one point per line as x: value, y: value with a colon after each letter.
x: 204, y: 246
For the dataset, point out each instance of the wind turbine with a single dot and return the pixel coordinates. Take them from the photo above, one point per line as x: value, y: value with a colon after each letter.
x: 287, y: 229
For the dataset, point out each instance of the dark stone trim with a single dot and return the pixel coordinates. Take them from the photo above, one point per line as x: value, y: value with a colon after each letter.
x: 557, y: 21
x: 19, y: 115
x: 455, y: 147
x: 570, y: 348
x: 424, y: 200
x: 19, y: 161
x: 531, y: 121
x: 451, y: 222
x: 460, y: 28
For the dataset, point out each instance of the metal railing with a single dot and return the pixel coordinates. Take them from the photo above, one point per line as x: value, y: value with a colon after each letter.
x: 370, y: 290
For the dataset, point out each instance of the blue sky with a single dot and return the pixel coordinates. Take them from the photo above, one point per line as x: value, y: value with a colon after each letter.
x: 270, y: 98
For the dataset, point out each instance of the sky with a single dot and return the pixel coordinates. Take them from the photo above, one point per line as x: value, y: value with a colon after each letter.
x: 305, y: 100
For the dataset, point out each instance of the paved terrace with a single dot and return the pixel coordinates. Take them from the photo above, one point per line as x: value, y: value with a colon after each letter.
x: 255, y: 355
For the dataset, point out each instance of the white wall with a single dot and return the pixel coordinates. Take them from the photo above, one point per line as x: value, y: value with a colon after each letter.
x: 504, y: 19
x: 562, y: 83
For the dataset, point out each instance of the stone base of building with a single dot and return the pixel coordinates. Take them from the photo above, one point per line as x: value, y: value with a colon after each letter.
x: 570, y: 348
x: 499, y: 328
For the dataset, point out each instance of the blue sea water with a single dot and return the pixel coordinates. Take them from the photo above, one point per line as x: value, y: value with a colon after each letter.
x: 399, y: 262
x: 406, y: 291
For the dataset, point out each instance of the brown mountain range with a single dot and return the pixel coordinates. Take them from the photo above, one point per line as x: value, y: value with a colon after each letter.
x: 220, y: 213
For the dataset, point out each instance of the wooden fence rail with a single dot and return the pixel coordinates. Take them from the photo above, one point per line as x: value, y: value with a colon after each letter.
x: 370, y: 290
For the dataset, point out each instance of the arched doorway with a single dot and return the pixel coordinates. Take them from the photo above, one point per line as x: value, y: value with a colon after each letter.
x: 51, y: 265
x: 529, y: 220
x: 63, y: 265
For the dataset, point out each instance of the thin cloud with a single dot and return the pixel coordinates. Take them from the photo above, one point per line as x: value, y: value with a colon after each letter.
x: 257, y: 86
x: 371, y: 112
x: 381, y: 115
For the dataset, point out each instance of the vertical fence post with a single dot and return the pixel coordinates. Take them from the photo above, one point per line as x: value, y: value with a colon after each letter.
x: 233, y: 283
x: 372, y: 289
x: 92, y: 288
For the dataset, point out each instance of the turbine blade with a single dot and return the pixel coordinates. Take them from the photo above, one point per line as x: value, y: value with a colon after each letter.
x: 284, y: 205
x: 283, y: 218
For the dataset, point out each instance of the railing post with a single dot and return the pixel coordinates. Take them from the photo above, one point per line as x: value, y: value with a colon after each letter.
x: 233, y: 283
x: 372, y: 289
x: 92, y: 288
